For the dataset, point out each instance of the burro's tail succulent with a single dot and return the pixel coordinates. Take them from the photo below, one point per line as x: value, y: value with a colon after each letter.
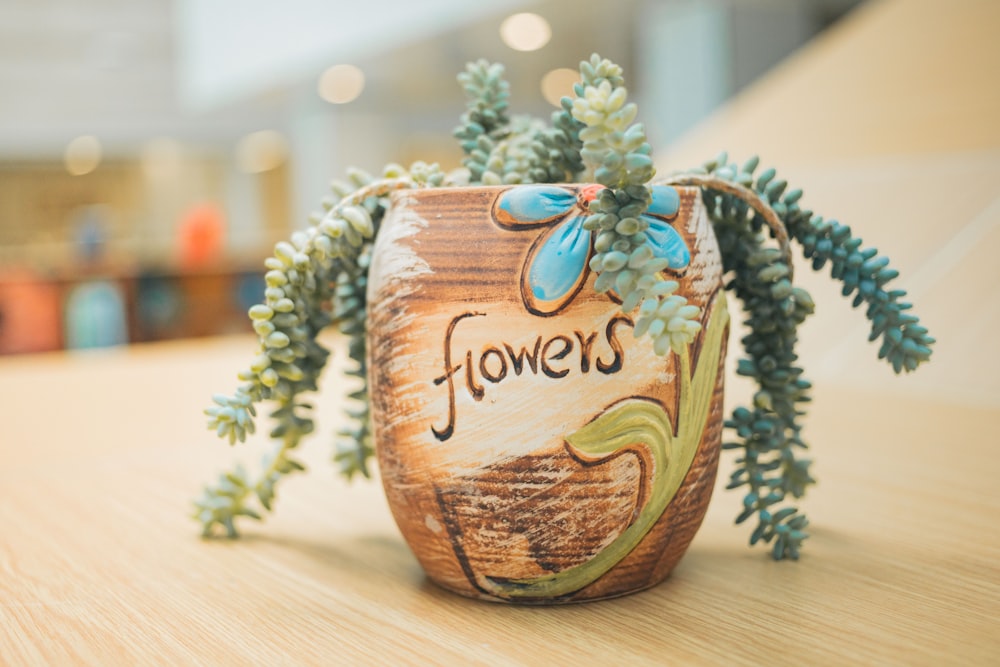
x: 317, y: 280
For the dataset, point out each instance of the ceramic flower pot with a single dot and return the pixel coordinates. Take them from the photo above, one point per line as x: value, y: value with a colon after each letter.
x: 531, y: 449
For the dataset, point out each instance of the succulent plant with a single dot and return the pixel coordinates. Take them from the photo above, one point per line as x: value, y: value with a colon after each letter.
x: 318, y: 279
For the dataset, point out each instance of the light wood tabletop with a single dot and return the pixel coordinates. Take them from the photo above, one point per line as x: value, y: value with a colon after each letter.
x: 102, y: 452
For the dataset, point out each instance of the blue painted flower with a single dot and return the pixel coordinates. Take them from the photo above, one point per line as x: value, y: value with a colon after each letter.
x: 557, y: 263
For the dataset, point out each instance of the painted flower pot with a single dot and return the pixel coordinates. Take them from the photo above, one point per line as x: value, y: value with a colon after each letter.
x: 531, y: 449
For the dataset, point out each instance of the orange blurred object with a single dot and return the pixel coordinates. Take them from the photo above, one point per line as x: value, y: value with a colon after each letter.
x: 201, y: 234
x: 30, y: 313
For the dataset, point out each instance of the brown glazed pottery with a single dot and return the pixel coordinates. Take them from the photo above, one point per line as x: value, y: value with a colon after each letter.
x: 531, y: 448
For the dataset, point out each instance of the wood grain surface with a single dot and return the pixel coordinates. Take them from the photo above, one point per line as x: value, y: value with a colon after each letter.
x: 100, y: 452
x: 100, y: 565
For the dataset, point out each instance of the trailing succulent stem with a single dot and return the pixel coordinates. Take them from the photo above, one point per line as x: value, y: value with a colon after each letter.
x: 354, y: 442
x: 485, y: 124
x: 319, y: 279
x: 769, y: 431
x: 313, y: 282
x: 556, y: 149
x: 617, y: 154
x: 508, y: 150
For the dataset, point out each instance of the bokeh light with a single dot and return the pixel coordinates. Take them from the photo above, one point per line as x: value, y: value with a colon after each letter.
x: 525, y: 32
x: 341, y: 84
x: 161, y: 158
x: 82, y: 155
x: 558, y: 83
x: 261, y: 151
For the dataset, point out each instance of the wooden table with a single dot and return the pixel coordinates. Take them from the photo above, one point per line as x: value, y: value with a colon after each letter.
x: 100, y: 564
x: 101, y: 452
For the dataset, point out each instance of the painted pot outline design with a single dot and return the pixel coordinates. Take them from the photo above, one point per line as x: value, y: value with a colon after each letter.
x: 454, y: 529
x: 557, y: 265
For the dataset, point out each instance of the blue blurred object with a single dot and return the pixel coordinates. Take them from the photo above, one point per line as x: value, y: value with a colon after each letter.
x: 159, y: 305
x: 90, y: 234
x: 250, y: 288
x: 95, y: 316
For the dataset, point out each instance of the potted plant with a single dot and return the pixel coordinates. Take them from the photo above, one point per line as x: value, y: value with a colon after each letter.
x: 532, y: 448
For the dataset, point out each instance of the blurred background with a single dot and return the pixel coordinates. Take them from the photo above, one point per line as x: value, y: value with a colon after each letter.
x: 152, y: 151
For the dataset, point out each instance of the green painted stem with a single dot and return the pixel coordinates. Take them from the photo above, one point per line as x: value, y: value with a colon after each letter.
x: 631, y: 422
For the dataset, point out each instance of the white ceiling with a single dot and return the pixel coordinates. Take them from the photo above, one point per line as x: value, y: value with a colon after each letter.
x: 116, y: 68
x: 103, y: 67
x: 119, y: 70
x: 231, y: 49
